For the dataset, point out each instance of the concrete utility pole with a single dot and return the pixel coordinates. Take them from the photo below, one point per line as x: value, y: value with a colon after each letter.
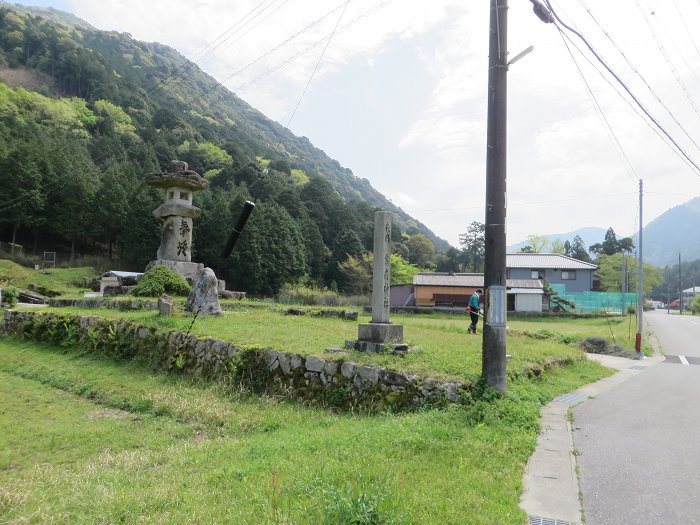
x: 494, y: 339
x: 640, y: 287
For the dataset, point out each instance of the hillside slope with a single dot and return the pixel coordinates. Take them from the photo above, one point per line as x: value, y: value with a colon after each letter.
x: 160, y: 88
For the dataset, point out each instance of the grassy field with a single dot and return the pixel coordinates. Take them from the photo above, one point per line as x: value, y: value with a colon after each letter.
x: 88, y: 440
x: 65, y: 280
x: 442, y: 348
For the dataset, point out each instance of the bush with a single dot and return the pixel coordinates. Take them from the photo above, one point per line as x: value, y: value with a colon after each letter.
x: 10, y: 294
x: 159, y: 280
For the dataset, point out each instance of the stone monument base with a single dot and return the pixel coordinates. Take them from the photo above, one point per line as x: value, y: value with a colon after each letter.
x: 187, y: 269
x: 380, y: 332
x: 377, y: 348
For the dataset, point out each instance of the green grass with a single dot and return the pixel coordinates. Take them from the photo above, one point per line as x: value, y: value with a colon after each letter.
x: 442, y: 348
x: 66, y: 280
x: 88, y: 440
x: 619, y: 329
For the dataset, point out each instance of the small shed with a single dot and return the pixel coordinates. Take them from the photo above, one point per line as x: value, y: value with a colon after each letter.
x: 116, y: 278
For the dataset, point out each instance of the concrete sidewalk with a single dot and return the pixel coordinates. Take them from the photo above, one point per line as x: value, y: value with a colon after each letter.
x: 551, y: 488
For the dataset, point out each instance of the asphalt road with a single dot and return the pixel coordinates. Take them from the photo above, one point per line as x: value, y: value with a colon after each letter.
x: 639, y: 443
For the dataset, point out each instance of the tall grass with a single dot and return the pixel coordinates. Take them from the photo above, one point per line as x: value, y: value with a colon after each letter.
x: 89, y: 440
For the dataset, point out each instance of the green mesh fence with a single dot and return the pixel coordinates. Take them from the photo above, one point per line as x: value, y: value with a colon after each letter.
x: 590, y: 301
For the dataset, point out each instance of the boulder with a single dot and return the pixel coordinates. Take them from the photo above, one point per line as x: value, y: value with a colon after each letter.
x: 204, y: 298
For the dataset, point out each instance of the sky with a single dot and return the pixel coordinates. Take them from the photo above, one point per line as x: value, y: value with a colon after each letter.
x: 395, y: 90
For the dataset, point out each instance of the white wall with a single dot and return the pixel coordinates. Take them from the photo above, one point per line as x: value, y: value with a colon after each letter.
x: 529, y: 302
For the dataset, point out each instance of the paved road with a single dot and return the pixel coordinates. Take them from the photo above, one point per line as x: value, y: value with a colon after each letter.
x: 639, y: 443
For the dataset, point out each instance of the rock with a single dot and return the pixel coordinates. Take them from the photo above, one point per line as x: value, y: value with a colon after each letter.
x: 165, y: 305
x: 392, y: 378
x: 314, y: 364
x: 295, y: 362
x: 368, y: 373
x: 285, y: 365
x: 203, y: 298
x: 348, y: 370
x: 331, y: 368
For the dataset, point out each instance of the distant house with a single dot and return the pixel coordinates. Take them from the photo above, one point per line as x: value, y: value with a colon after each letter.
x: 454, y: 290
x: 689, y: 295
x: 575, y: 275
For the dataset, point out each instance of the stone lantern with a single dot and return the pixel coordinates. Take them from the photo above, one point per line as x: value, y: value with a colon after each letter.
x: 177, y: 212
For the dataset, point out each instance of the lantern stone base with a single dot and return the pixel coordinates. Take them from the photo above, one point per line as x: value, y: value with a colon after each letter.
x: 187, y: 269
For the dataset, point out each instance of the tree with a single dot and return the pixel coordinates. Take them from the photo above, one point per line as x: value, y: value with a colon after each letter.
x: 402, y: 271
x: 610, y: 274
x: 536, y: 243
x: 611, y: 245
x: 557, y: 247
x: 421, y: 251
x: 356, y: 273
x: 578, y: 250
x: 451, y: 261
x: 473, y: 248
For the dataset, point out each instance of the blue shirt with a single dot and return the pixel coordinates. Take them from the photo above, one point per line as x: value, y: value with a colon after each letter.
x: 474, y: 302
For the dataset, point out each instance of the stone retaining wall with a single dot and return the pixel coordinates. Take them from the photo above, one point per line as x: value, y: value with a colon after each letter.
x: 336, y: 383
x: 128, y: 304
x: 140, y: 304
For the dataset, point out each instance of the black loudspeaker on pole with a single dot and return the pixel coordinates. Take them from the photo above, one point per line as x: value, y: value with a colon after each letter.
x: 238, y: 228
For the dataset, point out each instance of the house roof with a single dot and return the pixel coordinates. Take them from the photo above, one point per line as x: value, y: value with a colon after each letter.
x: 117, y: 273
x: 473, y: 280
x: 694, y: 289
x: 469, y: 280
x: 546, y: 260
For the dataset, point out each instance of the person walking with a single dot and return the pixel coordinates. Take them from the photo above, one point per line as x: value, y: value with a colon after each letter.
x: 474, y: 310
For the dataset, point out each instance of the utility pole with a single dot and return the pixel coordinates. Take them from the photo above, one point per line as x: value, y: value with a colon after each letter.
x: 623, y: 285
x: 680, y: 285
x: 640, y: 287
x: 494, y: 339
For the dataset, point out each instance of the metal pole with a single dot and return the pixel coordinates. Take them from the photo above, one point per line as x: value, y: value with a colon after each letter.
x: 640, y: 287
x: 494, y: 339
x: 680, y: 285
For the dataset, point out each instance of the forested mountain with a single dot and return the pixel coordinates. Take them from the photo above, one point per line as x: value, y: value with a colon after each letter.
x: 672, y: 232
x: 84, y: 114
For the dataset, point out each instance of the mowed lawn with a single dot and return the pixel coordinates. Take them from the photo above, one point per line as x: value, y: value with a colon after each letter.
x: 441, y: 348
x: 89, y: 440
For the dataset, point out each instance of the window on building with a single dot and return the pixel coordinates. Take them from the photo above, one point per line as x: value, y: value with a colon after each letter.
x: 568, y: 275
x: 536, y: 274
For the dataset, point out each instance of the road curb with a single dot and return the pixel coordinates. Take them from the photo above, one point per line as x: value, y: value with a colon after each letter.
x: 551, y: 486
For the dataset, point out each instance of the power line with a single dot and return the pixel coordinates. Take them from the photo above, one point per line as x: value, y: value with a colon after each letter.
x: 625, y: 87
x: 608, y: 128
x: 204, y: 52
x: 639, y: 74
x: 306, y: 87
x: 662, y: 49
x: 634, y: 108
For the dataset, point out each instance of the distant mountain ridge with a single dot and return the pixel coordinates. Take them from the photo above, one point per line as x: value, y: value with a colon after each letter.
x: 675, y: 230
x: 590, y: 235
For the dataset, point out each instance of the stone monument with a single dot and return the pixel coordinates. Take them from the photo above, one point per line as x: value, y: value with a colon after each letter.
x: 380, y: 334
x: 177, y: 212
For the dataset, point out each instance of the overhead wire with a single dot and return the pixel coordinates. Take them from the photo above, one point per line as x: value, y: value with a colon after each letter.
x: 668, y: 60
x: 632, y: 106
x: 639, y: 74
x: 365, y: 14
x: 188, y: 64
x: 625, y: 87
x: 606, y: 124
x: 313, y: 73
